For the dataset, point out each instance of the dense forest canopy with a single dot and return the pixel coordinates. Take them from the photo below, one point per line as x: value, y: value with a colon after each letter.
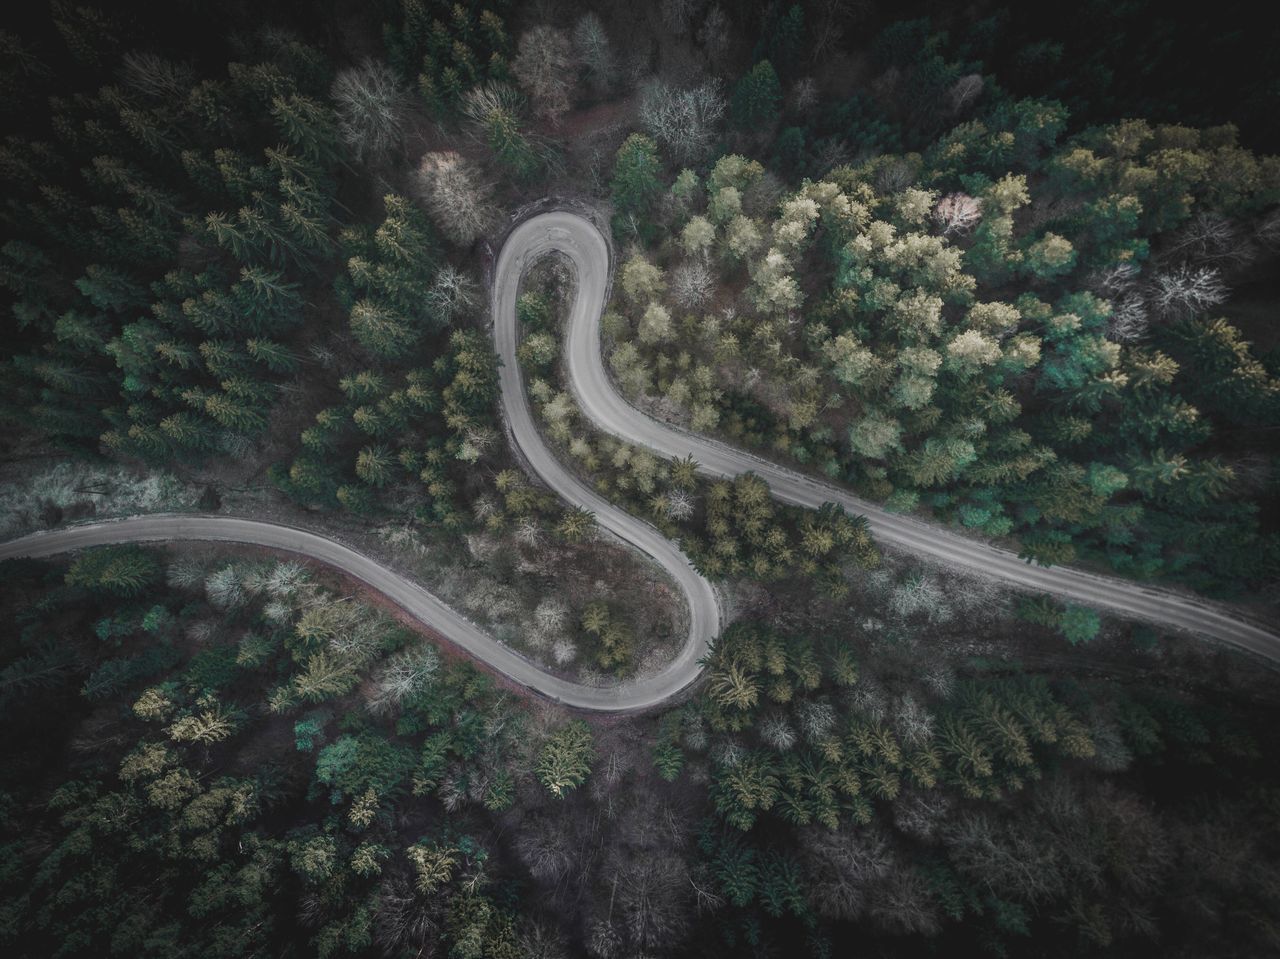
x: 1009, y: 268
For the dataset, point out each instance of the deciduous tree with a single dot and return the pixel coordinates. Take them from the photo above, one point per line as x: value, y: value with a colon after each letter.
x: 546, y: 69
x: 372, y: 110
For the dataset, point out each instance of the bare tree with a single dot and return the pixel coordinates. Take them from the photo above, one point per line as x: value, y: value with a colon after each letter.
x: 776, y: 732
x: 704, y: 889
x: 831, y: 153
x: 1130, y: 312
x: 224, y: 589
x: 653, y: 898
x: 594, y: 51
x: 940, y: 678
x: 1130, y: 319
x: 903, y: 903
x: 529, y: 532
x: 828, y: 19
x: 691, y: 284
x: 544, y: 845
x: 459, y: 200
x: 602, y: 939
x: 452, y: 293
x: 912, y: 722
x: 1111, y: 752
x: 762, y: 195
x: 686, y: 122
x: 920, y: 593
x: 1187, y: 291
x: 564, y: 651
x: 407, y: 672
x: 714, y: 35
x: 1010, y: 859
x: 965, y: 92
x: 551, y: 615
x: 817, y: 719
x: 372, y: 109
x: 1140, y: 854
x: 545, y: 69
x: 957, y: 213
x: 1115, y: 280
x: 869, y: 698
x: 804, y: 94
x: 679, y: 505
x: 1268, y: 232
x: 402, y: 924
x: 490, y: 103
x: 843, y: 867
x: 1210, y: 238
x: 538, y: 941
x: 186, y: 573
x: 650, y: 895
x: 677, y: 15
x: 894, y: 177
x: 609, y: 774
x: 921, y: 813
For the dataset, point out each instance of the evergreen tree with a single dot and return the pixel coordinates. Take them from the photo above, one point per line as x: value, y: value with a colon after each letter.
x: 757, y: 99
x: 564, y: 762
x: 635, y: 184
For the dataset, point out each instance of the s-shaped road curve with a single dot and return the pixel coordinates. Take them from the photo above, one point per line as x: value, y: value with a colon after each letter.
x: 587, y: 250
x: 579, y: 239
x: 526, y: 243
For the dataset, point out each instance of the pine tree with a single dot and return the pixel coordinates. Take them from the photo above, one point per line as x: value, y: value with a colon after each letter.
x: 433, y: 865
x: 564, y: 762
x: 115, y: 570
x: 684, y: 472
x: 635, y: 184
x: 745, y: 789
x: 208, y: 726
x: 308, y: 126
x: 326, y: 675
x: 575, y: 524
x: 757, y: 99
x: 375, y: 466
x: 275, y: 356
x: 381, y: 330
x: 110, y: 290
x: 188, y: 431
x: 595, y: 617
x: 234, y: 413
x: 232, y: 237
x: 783, y: 42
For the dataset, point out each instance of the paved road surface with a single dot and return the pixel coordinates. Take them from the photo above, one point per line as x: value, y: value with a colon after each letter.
x: 412, y: 598
x: 581, y: 242
x: 602, y: 404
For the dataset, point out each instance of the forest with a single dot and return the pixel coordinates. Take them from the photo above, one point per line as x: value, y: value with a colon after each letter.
x: 1004, y: 271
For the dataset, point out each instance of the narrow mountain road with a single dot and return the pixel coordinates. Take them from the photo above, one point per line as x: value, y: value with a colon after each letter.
x: 600, y: 402
x: 580, y: 241
x: 412, y: 598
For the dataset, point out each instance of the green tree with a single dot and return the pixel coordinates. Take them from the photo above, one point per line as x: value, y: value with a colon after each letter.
x: 374, y: 465
x: 757, y: 99
x: 575, y: 525
x: 381, y: 330
x: 115, y: 570
x: 783, y: 41
x: 635, y: 185
x: 1079, y: 624
x: 564, y: 762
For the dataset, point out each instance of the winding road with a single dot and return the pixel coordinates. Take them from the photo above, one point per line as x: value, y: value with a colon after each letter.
x: 586, y: 249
